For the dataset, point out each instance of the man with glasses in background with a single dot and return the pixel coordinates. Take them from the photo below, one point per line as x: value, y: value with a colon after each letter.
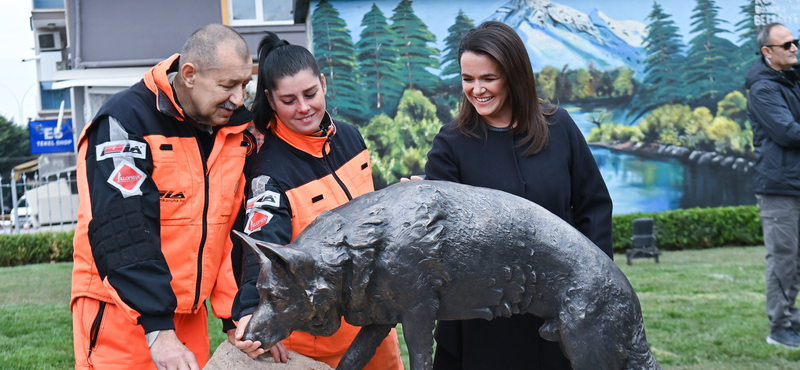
x: 773, y: 107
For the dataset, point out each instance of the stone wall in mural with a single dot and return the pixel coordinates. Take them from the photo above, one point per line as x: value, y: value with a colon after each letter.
x: 656, y: 87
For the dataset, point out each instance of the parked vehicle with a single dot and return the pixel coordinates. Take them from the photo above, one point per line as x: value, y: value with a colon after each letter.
x: 47, y: 203
x: 52, y: 203
x: 23, y: 215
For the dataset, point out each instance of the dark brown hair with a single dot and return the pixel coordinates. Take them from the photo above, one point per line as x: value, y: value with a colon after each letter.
x: 500, y: 42
x: 277, y: 59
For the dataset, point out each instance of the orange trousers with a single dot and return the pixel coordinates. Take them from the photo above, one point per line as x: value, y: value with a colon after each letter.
x: 119, y: 345
x: 387, y: 356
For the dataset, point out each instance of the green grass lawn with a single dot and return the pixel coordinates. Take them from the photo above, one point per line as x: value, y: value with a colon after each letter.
x: 702, y: 310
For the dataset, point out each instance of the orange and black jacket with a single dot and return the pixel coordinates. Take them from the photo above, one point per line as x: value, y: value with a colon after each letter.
x: 158, y: 198
x: 294, y: 178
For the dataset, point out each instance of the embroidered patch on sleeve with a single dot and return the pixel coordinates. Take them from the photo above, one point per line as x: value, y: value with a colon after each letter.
x: 127, y: 178
x: 266, y: 198
x: 270, y: 198
x: 121, y: 149
x: 258, y: 218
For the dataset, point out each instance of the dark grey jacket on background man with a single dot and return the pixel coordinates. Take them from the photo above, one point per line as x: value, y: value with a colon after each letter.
x: 773, y: 107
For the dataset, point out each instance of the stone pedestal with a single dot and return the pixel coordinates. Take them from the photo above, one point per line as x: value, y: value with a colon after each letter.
x: 227, y: 357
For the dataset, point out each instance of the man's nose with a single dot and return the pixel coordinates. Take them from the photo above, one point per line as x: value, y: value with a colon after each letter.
x: 238, y: 96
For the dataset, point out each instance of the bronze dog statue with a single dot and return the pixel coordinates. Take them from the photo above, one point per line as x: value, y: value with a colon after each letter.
x: 421, y: 251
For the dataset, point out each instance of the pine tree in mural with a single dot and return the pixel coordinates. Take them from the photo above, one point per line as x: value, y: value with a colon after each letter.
x: 333, y: 48
x: 377, y: 61
x: 451, y: 72
x: 710, y: 74
x: 663, y: 46
x: 412, y: 38
x: 747, y: 52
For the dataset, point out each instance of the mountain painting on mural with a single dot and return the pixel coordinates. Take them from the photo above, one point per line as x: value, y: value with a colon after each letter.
x: 657, y: 88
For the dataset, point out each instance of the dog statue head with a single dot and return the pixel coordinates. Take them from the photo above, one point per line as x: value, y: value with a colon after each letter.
x: 292, y: 295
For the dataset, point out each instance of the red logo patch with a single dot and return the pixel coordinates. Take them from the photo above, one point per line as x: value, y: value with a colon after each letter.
x: 257, y: 220
x: 127, y: 179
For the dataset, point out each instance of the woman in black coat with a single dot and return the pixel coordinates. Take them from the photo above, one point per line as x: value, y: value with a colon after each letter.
x: 506, y: 138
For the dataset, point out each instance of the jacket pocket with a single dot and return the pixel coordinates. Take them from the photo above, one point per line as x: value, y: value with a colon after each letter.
x: 175, y: 176
x: 225, y: 178
x: 357, y: 174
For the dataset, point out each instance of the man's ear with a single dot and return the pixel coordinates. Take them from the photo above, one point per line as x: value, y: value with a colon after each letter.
x: 766, y: 52
x: 188, y: 73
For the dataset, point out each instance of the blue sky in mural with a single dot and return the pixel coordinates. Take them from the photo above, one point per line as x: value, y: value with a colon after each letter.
x: 438, y: 15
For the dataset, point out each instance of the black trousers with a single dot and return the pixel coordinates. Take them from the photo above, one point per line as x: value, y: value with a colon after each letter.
x: 503, y: 343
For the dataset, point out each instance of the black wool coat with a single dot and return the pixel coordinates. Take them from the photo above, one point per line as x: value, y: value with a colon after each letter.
x: 564, y: 179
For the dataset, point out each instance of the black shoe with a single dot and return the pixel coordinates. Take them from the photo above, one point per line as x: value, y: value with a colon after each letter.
x: 785, y: 337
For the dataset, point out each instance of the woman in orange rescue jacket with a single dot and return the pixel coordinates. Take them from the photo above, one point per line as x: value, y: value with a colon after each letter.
x: 309, y: 163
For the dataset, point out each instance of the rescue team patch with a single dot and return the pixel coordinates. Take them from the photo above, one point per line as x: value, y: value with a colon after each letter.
x: 127, y: 179
x: 257, y: 220
x: 266, y: 198
x: 121, y: 148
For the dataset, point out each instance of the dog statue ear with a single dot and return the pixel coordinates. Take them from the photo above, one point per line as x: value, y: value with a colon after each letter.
x: 293, y: 259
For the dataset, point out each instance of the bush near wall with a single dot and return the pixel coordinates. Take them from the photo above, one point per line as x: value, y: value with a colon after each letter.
x: 24, y: 249
x: 695, y: 228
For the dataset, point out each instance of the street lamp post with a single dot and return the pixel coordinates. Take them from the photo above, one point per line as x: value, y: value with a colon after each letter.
x: 20, y: 115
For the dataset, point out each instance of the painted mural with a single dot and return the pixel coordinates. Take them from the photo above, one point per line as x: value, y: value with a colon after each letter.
x: 656, y: 87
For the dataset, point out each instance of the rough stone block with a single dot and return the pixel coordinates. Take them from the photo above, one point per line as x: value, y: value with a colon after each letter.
x: 228, y: 357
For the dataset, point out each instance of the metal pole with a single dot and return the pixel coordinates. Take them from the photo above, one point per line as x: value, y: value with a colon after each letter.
x: 2, y: 206
x: 14, y: 214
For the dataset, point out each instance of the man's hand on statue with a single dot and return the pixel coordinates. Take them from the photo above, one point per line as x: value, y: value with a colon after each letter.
x: 253, y: 348
x: 168, y: 353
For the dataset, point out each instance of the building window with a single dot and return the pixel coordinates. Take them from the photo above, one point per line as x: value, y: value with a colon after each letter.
x: 51, y: 99
x: 260, y: 12
x: 48, y: 4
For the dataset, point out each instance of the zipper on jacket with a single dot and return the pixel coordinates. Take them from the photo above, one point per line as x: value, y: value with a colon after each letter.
x: 205, y: 225
x: 94, y: 332
x: 330, y: 168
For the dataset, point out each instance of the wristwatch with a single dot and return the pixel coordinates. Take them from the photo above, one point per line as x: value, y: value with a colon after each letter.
x: 151, y: 337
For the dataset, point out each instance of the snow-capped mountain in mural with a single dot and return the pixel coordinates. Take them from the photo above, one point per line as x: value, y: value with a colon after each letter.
x: 558, y: 35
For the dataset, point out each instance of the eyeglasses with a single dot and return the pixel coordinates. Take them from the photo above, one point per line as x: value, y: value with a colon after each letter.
x: 786, y: 45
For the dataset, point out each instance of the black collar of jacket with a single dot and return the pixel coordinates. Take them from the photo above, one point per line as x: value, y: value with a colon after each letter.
x: 760, y: 70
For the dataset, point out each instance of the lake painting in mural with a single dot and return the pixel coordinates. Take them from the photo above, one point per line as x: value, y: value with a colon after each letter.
x: 636, y: 184
x: 656, y: 87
